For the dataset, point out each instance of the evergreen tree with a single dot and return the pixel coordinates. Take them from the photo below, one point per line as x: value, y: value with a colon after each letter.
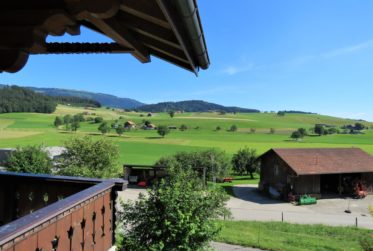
x: 58, y: 121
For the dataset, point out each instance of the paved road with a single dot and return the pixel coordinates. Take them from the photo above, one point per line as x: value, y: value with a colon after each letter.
x: 250, y: 205
x: 227, y: 247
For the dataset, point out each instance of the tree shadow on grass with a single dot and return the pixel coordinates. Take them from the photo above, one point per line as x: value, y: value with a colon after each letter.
x: 156, y: 137
x: 94, y: 134
x: 66, y: 132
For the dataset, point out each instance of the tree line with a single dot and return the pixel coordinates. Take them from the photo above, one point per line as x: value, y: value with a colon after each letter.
x: 77, y: 101
x: 18, y: 99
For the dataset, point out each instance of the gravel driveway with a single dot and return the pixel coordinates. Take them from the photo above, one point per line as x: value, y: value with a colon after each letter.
x: 251, y: 205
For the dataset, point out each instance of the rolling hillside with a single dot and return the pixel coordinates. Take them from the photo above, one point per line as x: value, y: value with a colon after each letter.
x: 145, y: 146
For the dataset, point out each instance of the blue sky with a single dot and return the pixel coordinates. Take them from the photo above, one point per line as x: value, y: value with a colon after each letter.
x: 271, y: 55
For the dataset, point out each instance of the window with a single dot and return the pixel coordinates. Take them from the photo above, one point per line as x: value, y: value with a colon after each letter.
x: 276, y: 170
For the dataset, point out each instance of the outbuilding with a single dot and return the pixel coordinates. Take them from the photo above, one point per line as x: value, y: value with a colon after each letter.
x: 316, y: 171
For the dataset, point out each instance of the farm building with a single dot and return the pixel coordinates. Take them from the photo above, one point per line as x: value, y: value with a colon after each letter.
x: 130, y: 125
x: 149, y: 127
x: 316, y: 171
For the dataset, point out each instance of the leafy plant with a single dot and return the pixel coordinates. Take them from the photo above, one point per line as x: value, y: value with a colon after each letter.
x: 177, y: 214
x: 30, y: 159
x: 163, y: 130
x: 245, y: 161
x: 89, y: 158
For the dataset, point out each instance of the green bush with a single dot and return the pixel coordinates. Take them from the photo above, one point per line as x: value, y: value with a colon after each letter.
x: 30, y: 159
x: 367, y: 243
x: 89, y: 158
x: 177, y: 214
x: 215, y: 162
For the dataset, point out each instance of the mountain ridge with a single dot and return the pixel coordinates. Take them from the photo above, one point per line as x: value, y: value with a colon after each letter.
x: 104, y: 99
x: 193, y: 106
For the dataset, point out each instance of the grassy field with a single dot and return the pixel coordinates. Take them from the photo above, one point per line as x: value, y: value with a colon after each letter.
x: 291, y: 237
x: 145, y: 147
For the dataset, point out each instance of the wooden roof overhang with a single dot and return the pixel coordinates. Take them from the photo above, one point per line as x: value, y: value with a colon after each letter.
x: 168, y: 29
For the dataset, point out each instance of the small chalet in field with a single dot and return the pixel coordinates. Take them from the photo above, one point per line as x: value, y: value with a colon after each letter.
x: 315, y: 171
x: 130, y: 125
x: 150, y: 127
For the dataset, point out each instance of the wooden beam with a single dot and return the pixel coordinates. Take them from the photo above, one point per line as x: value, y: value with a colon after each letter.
x: 79, y: 48
x: 147, y: 28
x: 119, y: 33
x: 171, y: 60
x: 177, y: 56
x: 145, y: 16
x: 146, y: 9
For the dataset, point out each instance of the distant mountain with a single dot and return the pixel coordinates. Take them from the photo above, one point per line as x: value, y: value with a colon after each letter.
x: 192, y: 106
x: 103, y: 99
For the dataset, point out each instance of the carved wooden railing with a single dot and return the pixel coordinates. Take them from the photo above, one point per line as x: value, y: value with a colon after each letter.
x: 82, y: 221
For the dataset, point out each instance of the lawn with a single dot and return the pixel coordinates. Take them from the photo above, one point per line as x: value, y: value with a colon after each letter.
x: 291, y: 237
x: 146, y: 147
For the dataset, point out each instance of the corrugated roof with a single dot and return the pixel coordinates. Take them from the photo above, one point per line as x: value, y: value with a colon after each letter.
x: 309, y: 161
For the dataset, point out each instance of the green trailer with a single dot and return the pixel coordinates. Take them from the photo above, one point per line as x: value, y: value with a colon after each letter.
x: 307, y: 200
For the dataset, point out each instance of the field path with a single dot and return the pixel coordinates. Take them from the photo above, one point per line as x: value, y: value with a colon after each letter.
x: 212, y: 118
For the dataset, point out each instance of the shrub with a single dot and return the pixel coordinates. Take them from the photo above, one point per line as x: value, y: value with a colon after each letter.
x: 89, y: 158
x: 366, y: 243
x: 233, y: 128
x: 215, y: 162
x: 183, y: 127
x: 30, y: 159
x: 98, y: 120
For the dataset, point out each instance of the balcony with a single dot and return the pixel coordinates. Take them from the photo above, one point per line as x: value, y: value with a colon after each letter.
x: 44, y: 212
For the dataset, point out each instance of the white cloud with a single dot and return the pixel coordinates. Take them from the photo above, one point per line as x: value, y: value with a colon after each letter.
x: 232, y: 70
x: 348, y: 50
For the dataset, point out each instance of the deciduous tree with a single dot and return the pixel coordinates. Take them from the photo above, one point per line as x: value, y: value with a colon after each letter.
x: 245, y: 161
x: 177, y: 214
x: 104, y: 128
x: 163, y: 130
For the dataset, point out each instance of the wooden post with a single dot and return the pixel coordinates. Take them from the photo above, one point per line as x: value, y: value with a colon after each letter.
x: 282, y: 216
x: 356, y: 222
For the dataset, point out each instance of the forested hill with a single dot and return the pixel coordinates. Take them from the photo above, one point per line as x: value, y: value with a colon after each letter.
x: 76, y: 101
x: 103, y: 99
x: 18, y: 99
x: 193, y: 106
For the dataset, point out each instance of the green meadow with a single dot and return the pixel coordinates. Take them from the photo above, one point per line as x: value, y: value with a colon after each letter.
x: 145, y: 146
